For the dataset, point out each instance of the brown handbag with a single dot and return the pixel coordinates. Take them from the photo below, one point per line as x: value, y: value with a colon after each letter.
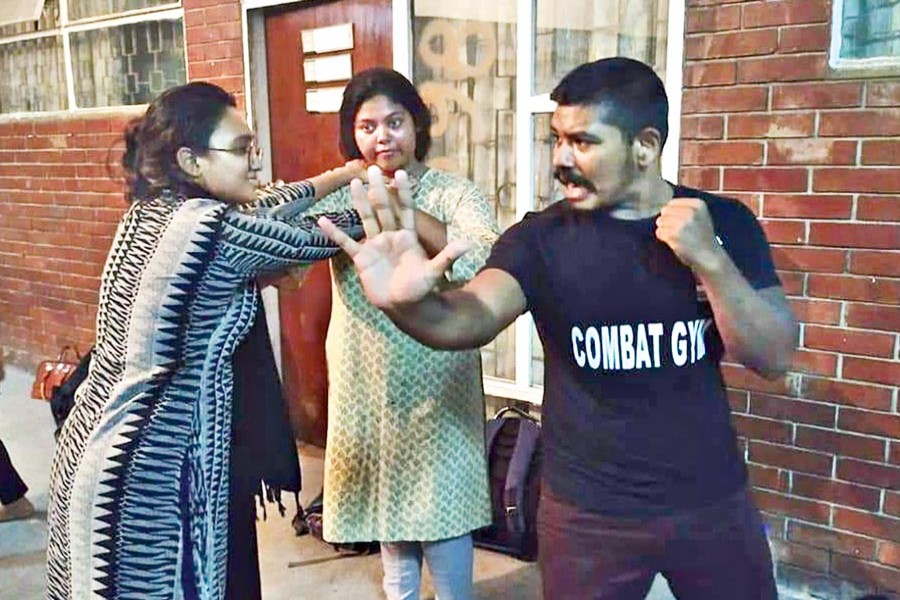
x: 51, y: 374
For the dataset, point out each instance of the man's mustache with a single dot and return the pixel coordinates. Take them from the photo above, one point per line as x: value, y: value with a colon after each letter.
x: 567, y: 175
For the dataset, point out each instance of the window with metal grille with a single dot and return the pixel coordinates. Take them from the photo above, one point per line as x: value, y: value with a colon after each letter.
x: 865, y: 33
x: 81, y: 54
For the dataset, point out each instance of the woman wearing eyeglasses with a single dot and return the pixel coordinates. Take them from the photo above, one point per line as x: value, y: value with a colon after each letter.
x: 140, y: 480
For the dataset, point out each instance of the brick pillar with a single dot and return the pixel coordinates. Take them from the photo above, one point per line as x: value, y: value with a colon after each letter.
x: 212, y: 30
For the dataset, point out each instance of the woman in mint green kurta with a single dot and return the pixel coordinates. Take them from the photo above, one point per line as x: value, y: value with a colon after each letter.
x: 405, y: 456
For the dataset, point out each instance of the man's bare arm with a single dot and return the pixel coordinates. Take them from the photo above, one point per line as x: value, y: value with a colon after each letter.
x: 757, y: 326
x: 465, y: 318
x: 400, y: 278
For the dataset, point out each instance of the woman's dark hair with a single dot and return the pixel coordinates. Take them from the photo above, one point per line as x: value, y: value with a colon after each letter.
x: 379, y: 81
x: 183, y: 116
x: 628, y: 94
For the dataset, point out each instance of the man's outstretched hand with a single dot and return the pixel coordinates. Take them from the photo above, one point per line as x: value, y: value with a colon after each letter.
x: 393, y: 266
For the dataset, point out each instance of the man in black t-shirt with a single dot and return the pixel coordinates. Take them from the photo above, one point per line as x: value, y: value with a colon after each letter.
x: 638, y: 288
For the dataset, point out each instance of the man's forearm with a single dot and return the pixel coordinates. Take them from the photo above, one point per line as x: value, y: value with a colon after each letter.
x: 453, y: 320
x: 757, y: 326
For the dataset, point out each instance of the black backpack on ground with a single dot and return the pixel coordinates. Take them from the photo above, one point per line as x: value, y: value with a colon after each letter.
x: 514, y: 469
x: 309, y: 520
x: 63, y: 397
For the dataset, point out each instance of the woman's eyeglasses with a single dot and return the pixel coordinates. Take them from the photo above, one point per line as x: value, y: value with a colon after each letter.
x: 252, y: 150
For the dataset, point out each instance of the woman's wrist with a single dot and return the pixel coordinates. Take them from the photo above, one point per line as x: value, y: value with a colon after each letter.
x: 335, y: 178
x: 326, y: 182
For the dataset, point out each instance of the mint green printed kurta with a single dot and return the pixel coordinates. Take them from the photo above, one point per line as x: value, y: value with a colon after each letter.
x: 405, y: 455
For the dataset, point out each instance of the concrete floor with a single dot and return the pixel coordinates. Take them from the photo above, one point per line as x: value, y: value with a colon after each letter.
x: 292, y: 567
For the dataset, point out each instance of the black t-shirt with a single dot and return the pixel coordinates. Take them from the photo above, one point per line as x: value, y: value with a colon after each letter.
x: 636, y: 420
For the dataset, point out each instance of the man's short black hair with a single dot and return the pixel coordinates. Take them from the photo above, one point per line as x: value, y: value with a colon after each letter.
x: 628, y: 94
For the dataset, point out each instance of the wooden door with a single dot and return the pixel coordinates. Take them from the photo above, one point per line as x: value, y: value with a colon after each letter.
x: 304, y: 144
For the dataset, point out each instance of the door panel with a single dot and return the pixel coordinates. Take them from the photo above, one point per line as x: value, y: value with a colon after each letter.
x: 305, y: 144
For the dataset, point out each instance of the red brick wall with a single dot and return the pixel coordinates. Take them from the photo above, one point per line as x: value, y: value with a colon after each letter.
x: 816, y: 155
x: 214, y: 44
x: 59, y: 205
x: 58, y: 210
